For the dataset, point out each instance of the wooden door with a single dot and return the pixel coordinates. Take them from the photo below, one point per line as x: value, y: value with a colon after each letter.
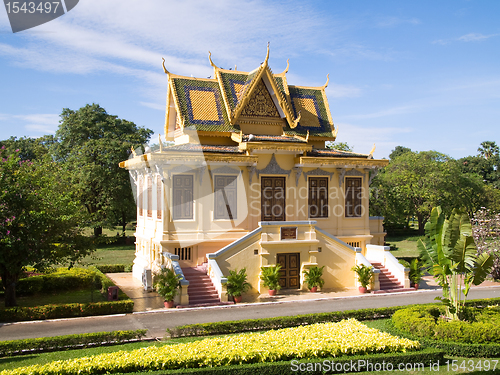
x: 273, y: 199
x: 290, y: 270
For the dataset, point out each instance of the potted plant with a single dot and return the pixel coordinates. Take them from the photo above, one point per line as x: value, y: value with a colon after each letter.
x: 237, y: 284
x: 364, y: 276
x: 167, y: 284
x: 271, y: 278
x: 313, y: 278
x: 415, y: 274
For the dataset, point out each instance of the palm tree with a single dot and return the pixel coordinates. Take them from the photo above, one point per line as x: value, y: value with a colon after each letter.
x: 488, y: 149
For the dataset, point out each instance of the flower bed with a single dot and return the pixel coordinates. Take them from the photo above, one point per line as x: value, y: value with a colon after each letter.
x: 315, y: 341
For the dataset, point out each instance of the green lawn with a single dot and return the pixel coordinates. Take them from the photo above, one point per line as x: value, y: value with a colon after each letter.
x: 406, y: 246
x: 111, y: 254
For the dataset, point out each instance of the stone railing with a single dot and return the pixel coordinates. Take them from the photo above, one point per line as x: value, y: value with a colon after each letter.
x: 383, y: 255
x: 218, y: 279
x: 172, y: 261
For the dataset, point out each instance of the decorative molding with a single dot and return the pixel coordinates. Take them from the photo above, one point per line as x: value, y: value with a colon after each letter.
x: 251, y: 171
x: 352, y: 172
x: 298, y: 173
x: 372, y: 174
x: 260, y: 103
x: 160, y: 172
x: 223, y: 170
x: 318, y: 172
x: 273, y: 168
x: 202, y: 170
x: 199, y: 172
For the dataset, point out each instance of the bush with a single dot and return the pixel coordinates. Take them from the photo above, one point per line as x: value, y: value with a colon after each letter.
x: 114, y: 268
x: 61, y: 279
x: 68, y: 310
x: 426, y: 321
x: 27, y: 346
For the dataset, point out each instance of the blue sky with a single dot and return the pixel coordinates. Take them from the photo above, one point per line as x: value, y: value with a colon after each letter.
x: 421, y: 74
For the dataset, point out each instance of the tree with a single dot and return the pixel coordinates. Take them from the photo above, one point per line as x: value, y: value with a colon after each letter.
x: 451, y: 255
x: 488, y: 149
x: 398, y: 151
x: 39, y: 218
x: 414, y: 182
x: 93, y: 142
x: 341, y: 146
x: 28, y: 148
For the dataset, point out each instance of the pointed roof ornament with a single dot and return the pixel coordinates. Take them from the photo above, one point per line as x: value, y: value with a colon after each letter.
x: 335, y: 131
x: 267, y: 55
x: 287, y: 66
x: 296, y: 121
x: 327, y: 80
x: 371, y: 152
x: 211, y: 62
x: 165, y: 69
x: 133, y: 151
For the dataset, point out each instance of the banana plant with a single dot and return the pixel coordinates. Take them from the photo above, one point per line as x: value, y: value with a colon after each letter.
x: 450, y: 254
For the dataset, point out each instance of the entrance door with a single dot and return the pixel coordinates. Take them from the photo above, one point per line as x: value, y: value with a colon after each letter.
x: 273, y: 199
x: 290, y: 270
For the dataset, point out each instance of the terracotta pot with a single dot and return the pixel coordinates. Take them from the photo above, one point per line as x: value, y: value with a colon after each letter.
x: 169, y: 304
x: 237, y: 299
x: 272, y: 292
x: 415, y: 286
x: 314, y: 289
x: 362, y: 289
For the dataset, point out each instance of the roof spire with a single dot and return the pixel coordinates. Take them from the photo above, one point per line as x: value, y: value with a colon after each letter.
x: 267, y: 55
x: 210, y: 59
x: 287, y: 66
x: 296, y: 121
x: 327, y: 80
x: 164, y: 69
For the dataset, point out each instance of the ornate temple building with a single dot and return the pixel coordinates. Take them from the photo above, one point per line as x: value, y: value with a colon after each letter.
x: 250, y: 183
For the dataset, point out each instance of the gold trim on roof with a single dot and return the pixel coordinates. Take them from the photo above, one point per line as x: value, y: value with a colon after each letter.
x: 287, y: 67
x: 164, y: 69
x: 211, y: 62
x: 327, y: 80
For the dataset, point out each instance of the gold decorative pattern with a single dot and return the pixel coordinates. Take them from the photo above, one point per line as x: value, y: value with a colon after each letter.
x: 204, y: 105
x: 308, y: 113
x: 260, y: 103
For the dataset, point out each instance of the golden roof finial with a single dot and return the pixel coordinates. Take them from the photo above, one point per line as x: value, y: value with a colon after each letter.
x: 336, y: 131
x: 296, y: 121
x: 327, y: 80
x: 210, y: 59
x: 235, y: 67
x: 287, y: 66
x: 133, y: 151
x: 164, y: 69
x: 371, y: 152
x: 307, y: 136
x: 267, y: 55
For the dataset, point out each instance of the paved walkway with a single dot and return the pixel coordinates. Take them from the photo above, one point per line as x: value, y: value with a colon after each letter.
x: 148, y: 301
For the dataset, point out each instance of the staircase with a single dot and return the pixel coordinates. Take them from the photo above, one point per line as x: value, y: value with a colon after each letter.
x: 201, y: 291
x: 388, y: 282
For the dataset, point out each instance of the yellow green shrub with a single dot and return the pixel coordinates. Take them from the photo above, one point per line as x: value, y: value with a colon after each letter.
x: 315, y: 341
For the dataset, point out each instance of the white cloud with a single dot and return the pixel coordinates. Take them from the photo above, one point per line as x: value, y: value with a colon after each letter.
x: 160, y: 107
x: 474, y: 37
x: 471, y: 37
x: 42, y: 123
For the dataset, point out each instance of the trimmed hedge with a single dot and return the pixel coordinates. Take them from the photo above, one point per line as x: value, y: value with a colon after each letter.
x: 114, y: 268
x: 425, y: 356
x: 27, y: 346
x: 425, y: 321
x: 63, y: 279
x: 69, y: 310
x: 249, y: 325
x: 454, y: 349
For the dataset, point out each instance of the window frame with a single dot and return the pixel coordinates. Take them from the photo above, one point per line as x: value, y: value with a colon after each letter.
x: 184, y: 189
x: 230, y: 213
x: 353, y: 198
x: 320, y: 214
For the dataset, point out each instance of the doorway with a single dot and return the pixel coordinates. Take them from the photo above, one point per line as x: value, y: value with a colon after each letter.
x: 290, y: 270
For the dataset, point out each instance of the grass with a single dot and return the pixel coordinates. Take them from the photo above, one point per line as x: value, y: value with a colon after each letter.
x: 73, y: 296
x: 111, y: 254
x: 406, y: 246
x: 110, y: 232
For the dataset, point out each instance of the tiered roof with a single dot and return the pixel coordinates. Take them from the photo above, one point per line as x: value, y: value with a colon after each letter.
x: 222, y: 103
